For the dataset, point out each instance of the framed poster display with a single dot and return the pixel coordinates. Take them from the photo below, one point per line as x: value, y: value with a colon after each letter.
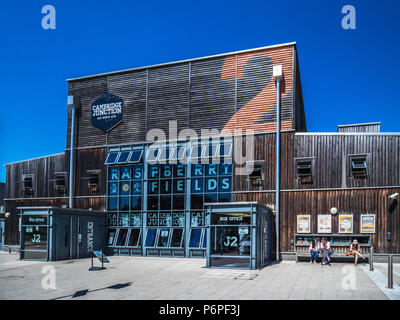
x: 367, y: 223
x: 346, y: 223
x: 303, y: 223
x: 324, y: 223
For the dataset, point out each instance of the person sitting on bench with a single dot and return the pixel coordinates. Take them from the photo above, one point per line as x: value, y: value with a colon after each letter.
x: 355, y: 251
x: 314, y: 250
x: 325, y: 247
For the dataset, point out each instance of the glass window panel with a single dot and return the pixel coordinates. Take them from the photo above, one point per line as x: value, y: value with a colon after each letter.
x: 163, y: 238
x: 197, y: 170
x: 196, y: 201
x: 123, y: 157
x: 230, y: 241
x: 225, y: 169
x: 225, y: 149
x: 165, y: 202
x: 136, y: 203
x: 166, y: 186
x: 113, y: 173
x: 122, y: 234
x: 197, y: 219
x: 112, y: 219
x: 35, y: 238
x: 112, y: 203
x: 124, y: 203
x: 195, y: 237
x: 210, y: 197
x: 136, y: 219
x: 151, y: 237
x: 123, y: 219
x: 176, y: 238
x: 166, y: 171
x: 134, y: 238
x: 212, y: 184
x: 211, y: 169
x: 224, y: 197
x: 152, y: 153
x: 125, y: 173
x: 113, y: 188
x: 225, y: 184
x: 137, y: 188
x: 196, y: 151
x: 210, y: 150
x: 165, y: 154
x: 110, y: 236
x: 179, y: 153
x: 137, y: 172
x: 152, y: 219
x: 197, y: 185
x: 179, y: 186
x: 153, y: 186
x: 152, y: 202
x: 154, y: 171
x: 178, y: 219
x: 111, y: 157
x: 125, y: 188
x: 179, y: 202
x: 179, y: 170
x: 136, y: 156
x: 165, y: 219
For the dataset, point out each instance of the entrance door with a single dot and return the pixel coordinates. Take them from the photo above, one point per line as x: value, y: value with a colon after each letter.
x: 1, y: 234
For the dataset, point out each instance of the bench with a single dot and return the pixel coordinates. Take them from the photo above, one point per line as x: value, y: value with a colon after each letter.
x: 339, y: 251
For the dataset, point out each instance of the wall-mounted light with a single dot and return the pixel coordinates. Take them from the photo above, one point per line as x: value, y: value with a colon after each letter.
x: 6, y: 215
x: 334, y: 210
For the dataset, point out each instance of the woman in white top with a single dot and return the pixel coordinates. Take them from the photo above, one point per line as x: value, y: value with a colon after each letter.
x: 314, y: 250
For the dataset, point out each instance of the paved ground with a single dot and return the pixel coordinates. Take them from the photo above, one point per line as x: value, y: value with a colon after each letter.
x: 178, y: 278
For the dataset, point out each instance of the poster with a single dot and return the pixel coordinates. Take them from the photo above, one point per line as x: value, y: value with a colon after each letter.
x: 346, y: 223
x: 303, y: 223
x: 367, y: 223
x: 324, y: 223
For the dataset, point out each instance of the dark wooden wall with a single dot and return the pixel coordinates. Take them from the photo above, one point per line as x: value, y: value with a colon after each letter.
x: 225, y: 92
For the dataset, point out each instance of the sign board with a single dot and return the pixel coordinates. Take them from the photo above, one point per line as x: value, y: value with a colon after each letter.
x: 367, y: 224
x: 102, y: 257
x: 107, y: 111
x: 303, y: 223
x: 324, y: 223
x: 346, y: 223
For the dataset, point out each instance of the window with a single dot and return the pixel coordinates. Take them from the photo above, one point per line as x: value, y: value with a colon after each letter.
x: 28, y: 184
x: 135, y: 156
x: 176, y: 239
x: 163, y: 238
x: 304, y: 169
x: 256, y: 173
x: 94, y: 181
x: 225, y: 149
x: 195, y: 238
x: 123, y: 233
x: 359, y: 166
x: 60, y: 183
x: 134, y: 238
x: 111, y: 158
x: 151, y: 237
x: 123, y: 157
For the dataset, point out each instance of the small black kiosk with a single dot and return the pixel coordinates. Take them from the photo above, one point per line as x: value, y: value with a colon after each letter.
x: 241, y: 235
x: 51, y: 234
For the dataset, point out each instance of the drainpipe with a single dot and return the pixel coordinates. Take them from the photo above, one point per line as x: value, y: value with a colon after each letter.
x: 277, y: 74
x: 72, y: 103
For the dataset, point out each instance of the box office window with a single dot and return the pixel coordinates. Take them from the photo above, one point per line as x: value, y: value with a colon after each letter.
x: 35, y: 237
x: 230, y: 240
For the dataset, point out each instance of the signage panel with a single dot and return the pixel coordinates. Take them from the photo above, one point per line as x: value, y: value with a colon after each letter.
x: 107, y: 111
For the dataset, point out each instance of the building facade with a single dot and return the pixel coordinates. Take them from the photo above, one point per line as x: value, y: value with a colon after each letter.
x: 206, y: 113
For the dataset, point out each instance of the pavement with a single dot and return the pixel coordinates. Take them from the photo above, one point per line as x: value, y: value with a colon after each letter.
x: 154, y: 278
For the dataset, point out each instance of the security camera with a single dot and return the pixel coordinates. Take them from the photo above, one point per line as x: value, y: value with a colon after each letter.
x: 393, y: 196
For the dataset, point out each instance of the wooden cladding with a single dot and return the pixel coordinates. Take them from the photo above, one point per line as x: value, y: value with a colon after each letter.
x: 317, y: 202
x: 231, y: 92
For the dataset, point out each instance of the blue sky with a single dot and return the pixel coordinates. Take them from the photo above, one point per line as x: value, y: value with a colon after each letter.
x: 348, y: 76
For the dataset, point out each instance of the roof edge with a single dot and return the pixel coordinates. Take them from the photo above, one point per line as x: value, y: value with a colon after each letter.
x: 180, y: 61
